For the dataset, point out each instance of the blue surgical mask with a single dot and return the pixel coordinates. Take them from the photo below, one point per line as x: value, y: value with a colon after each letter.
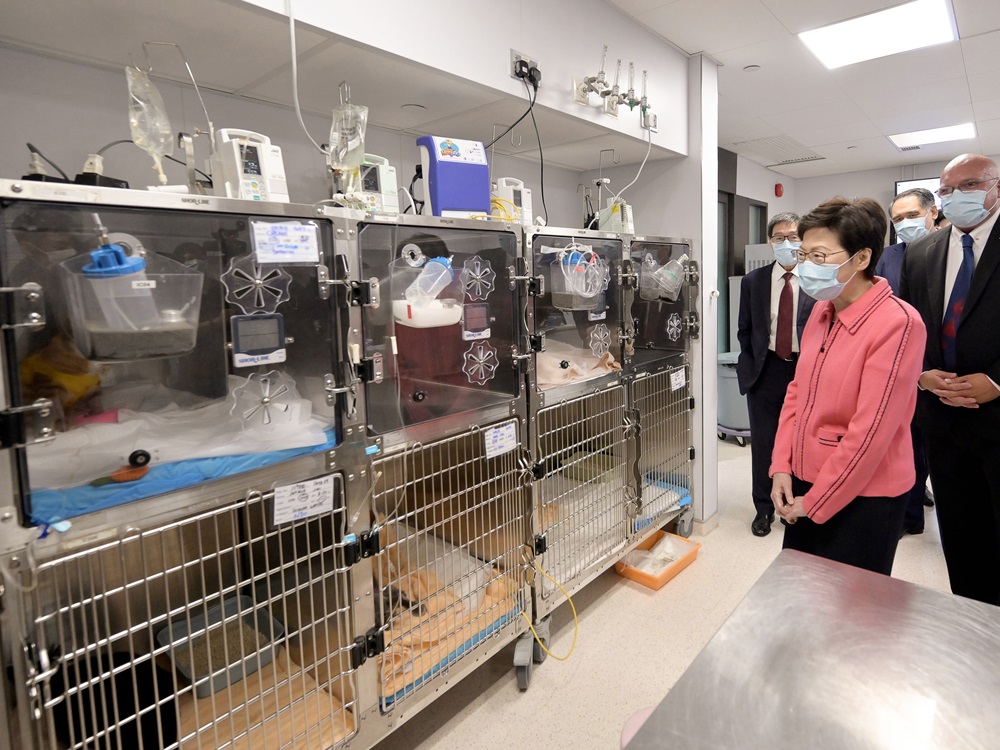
x: 784, y: 252
x: 911, y: 230
x: 819, y: 280
x: 965, y: 210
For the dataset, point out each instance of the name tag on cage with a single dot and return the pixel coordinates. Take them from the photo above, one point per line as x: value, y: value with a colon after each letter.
x: 500, y: 440
x: 678, y: 379
x: 303, y: 500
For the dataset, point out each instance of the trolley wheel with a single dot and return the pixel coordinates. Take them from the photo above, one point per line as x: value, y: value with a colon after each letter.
x: 524, y: 676
x: 722, y: 436
x: 741, y: 441
x: 139, y: 458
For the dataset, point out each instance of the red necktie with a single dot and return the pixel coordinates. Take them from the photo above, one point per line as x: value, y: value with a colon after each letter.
x: 783, y: 334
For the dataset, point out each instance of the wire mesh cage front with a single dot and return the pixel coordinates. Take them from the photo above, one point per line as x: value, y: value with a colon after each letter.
x: 582, y: 501
x: 218, y: 631
x: 663, y: 403
x: 453, y: 524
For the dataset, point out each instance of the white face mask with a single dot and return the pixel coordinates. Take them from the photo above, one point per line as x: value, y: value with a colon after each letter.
x: 910, y: 230
x: 819, y: 280
x: 784, y: 252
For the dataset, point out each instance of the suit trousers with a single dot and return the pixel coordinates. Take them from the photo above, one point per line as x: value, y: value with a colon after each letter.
x: 864, y: 533
x: 764, y: 401
x: 914, y: 519
x: 965, y: 474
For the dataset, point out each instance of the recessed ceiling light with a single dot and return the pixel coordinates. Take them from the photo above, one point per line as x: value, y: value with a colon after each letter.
x: 934, y: 135
x: 751, y: 68
x: 915, y: 25
x: 413, y: 107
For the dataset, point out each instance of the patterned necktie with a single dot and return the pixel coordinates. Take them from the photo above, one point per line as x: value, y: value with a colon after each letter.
x: 783, y: 333
x: 953, y: 314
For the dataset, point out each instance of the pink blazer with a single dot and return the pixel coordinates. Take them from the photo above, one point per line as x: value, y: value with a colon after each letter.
x: 845, y: 423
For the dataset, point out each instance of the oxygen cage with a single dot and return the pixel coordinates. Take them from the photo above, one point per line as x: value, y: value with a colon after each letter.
x: 280, y: 475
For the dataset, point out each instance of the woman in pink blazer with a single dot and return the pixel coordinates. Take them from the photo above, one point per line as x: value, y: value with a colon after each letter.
x: 843, y: 460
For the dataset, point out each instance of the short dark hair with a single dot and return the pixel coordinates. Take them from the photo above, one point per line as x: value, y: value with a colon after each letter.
x: 782, y: 218
x: 857, y: 223
x: 924, y: 196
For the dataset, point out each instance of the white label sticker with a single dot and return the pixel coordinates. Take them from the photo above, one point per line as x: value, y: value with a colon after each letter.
x: 303, y: 500
x: 455, y: 149
x: 252, y: 360
x: 500, y: 440
x: 144, y: 284
x: 285, y: 242
x: 677, y: 379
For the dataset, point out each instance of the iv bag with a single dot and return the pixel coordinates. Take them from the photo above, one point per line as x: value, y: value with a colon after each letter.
x: 347, y: 136
x: 147, y: 117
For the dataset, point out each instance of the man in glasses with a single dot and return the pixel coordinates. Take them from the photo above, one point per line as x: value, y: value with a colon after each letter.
x: 913, y: 214
x: 771, y: 318
x: 952, y: 277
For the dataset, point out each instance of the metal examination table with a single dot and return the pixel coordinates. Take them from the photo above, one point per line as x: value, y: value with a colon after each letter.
x: 825, y: 656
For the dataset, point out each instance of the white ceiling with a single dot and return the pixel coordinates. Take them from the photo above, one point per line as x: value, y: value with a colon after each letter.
x: 842, y: 115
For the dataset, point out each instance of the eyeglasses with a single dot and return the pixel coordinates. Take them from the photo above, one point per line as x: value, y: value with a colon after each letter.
x: 779, y: 238
x: 964, y: 187
x: 816, y: 256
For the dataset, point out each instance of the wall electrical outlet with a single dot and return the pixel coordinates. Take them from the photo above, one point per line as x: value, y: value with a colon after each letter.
x: 515, y: 57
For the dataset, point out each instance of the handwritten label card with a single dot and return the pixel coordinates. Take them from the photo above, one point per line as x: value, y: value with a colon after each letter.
x: 500, y: 440
x: 303, y: 500
x: 285, y: 242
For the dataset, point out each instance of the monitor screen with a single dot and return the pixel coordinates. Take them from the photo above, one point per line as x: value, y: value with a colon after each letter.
x: 929, y: 183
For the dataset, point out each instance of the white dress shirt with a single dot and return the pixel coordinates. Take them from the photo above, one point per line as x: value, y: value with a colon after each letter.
x: 979, y: 236
x: 777, y: 284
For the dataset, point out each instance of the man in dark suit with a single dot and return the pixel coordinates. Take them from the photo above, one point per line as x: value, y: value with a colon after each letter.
x: 772, y: 316
x: 953, y: 279
x: 913, y: 214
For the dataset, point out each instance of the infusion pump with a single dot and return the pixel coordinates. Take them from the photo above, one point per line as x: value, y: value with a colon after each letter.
x: 248, y: 166
x: 379, y: 190
x: 515, y: 193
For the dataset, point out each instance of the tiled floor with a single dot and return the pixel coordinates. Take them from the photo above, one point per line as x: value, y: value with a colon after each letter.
x: 633, y: 642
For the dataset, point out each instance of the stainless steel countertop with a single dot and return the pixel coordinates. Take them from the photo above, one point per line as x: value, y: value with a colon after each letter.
x: 821, y: 656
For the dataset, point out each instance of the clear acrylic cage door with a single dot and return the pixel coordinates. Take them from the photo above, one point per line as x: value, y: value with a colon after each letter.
x: 134, y: 421
x: 440, y: 341
x: 659, y: 322
x: 578, y: 314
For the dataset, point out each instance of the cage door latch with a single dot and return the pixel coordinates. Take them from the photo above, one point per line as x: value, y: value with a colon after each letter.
x: 27, y: 425
x: 366, y: 646
x: 22, y: 306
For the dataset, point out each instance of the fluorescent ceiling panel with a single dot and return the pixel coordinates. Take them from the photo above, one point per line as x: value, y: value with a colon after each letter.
x: 934, y: 135
x: 915, y: 25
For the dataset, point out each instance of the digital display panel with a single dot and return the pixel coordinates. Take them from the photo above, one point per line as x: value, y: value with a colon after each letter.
x: 369, y: 180
x: 516, y: 197
x: 476, y: 317
x: 251, y: 159
x: 258, y: 333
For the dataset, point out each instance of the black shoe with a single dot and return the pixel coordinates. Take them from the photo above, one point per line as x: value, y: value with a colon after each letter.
x: 910, y: 530
x: 761, y: 525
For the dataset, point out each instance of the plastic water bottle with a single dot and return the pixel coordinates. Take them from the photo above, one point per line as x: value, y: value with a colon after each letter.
x: 434, y: 277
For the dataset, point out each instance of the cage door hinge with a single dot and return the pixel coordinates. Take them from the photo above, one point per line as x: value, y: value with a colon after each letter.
x: 692, y: 274
x: 366, y: 646
x: 22, y: 306
x: 691, y: 404
x: 692, y: 324
x: 536, y: 342
x: 541, y: 544
x: 627, y: 277
x: 534, y: 285
x: 357, y: 548
x: 350, y: 392
x: 691, y: 453
x: 365, y: 293
x: 370, y: 369
x: 27, y: 425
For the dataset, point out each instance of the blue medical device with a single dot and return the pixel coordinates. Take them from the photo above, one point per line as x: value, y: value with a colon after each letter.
x: 456, y: 176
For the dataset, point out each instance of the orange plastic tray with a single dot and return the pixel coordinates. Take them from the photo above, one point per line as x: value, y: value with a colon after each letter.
x: 657, y: 581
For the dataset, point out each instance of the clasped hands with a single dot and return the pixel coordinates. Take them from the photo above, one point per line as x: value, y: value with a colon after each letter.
x: 786, y: 504
x: 968, y: 391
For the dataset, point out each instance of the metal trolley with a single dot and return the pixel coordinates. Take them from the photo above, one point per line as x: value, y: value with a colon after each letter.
x: 179, y: 548
x: 657, y: 356
x: 445, y: 420
x: 577, y: 407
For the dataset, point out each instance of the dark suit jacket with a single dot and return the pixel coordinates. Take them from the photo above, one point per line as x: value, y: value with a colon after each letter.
x: 754, y: 323
x: 978, y: 339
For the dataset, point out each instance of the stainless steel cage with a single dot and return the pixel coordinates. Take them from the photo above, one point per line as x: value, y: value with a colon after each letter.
x: 452, y: 520
x: 220, y: 630
x: 581, y: 501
